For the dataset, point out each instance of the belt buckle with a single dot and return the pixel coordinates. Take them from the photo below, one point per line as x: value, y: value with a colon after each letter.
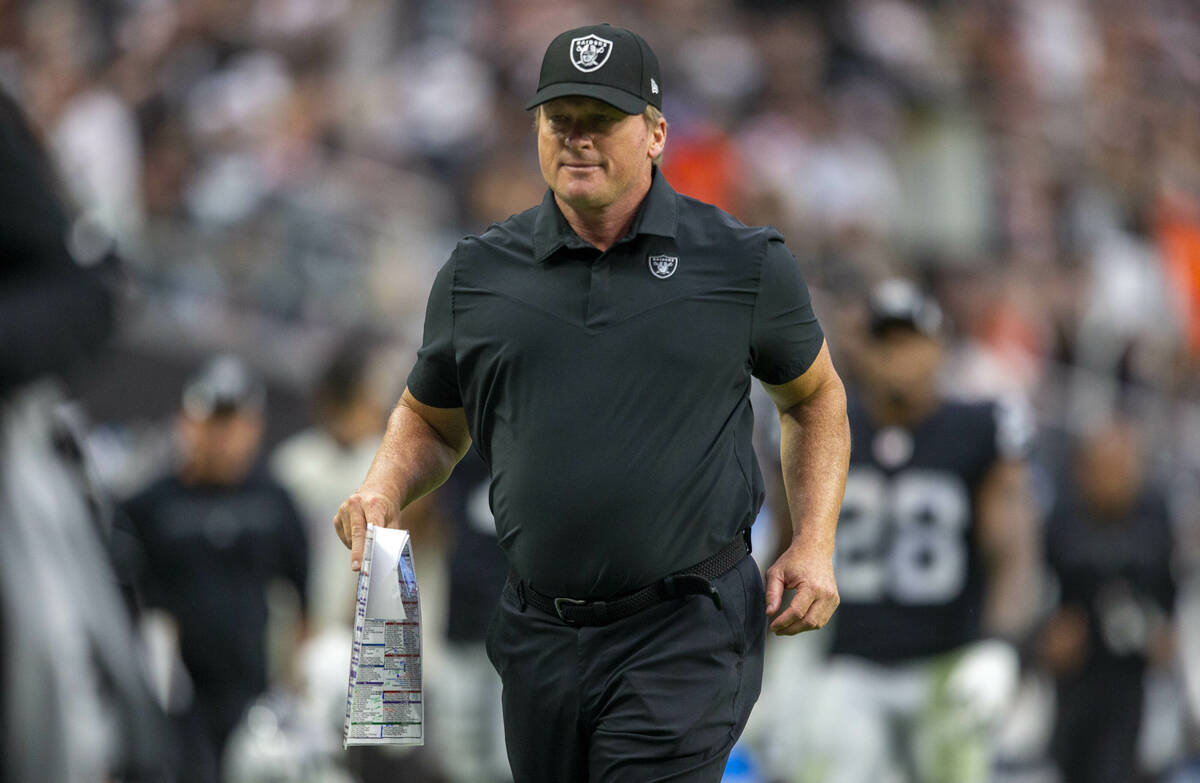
x: 558, y: 607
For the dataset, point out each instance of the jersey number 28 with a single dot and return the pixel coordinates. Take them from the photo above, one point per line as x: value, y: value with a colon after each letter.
x: 902, y: 538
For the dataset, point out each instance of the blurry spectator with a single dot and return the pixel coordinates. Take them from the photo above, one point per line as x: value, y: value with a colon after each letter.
x: 205, y: 543
x: 1109, y: 543
x: 74, y: 701
x: 319, y: 464
x: 466, y: 722
x: 703, y: 164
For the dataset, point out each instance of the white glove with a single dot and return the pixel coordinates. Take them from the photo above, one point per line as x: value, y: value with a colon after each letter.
x: 984, y: 681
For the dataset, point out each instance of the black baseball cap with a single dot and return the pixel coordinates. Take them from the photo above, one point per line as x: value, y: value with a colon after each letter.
x: 898, y: 302
x: 600, y: 61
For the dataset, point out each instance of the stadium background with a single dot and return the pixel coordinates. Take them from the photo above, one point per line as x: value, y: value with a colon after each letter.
x: 281, y: 175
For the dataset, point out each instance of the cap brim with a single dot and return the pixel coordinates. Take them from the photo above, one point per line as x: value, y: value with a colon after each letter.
x: 624, y: 101
x: 884, y: 322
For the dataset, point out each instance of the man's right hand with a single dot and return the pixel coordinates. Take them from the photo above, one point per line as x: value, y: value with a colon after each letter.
x: 419, y: 449
x: 360, y: 509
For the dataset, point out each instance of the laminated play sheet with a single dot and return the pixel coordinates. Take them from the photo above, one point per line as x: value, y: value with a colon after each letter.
x: 384, y: 700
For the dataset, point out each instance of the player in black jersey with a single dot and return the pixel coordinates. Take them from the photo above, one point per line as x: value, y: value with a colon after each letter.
x: 936, y: 561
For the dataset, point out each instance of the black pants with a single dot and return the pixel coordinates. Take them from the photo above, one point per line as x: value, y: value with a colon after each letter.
x: 1098, y: 723
x: 659, y: 696
x: 204, y: 730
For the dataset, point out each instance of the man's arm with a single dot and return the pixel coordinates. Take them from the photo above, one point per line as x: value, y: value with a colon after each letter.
x: 815, y: 455
x: 420, y: 448
x: 1009, y: 541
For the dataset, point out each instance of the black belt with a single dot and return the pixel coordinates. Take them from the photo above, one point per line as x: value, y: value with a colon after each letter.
x: 693, y: 580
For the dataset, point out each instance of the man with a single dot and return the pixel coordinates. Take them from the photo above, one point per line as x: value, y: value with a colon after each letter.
x: 205, y: 543
x: 936, y: 550
x: 1110, y: 543
x: 598, y: 350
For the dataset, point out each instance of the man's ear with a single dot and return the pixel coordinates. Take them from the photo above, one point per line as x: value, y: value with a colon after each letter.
x: 658, y: 139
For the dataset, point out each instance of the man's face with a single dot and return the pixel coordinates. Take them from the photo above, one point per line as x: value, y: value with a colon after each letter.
x: 221, y: 449
x: 902, y: 366
x: 592, y: 153
x: 1109, y: 469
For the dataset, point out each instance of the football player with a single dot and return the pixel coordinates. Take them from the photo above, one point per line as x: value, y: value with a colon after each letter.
x: 937, y: 565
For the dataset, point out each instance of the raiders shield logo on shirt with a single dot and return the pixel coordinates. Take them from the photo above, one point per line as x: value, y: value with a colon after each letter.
x: 663, y: 266
x: 590, y: 52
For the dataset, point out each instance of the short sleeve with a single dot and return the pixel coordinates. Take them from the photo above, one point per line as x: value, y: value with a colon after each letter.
x: 785, y: 337
x: 434, y: 378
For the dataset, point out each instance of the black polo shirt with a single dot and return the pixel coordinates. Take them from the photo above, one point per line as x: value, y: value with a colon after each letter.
x: 609, y: 392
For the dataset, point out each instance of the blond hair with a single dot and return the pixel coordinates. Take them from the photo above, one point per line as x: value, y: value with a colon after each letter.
x: 652, y: 115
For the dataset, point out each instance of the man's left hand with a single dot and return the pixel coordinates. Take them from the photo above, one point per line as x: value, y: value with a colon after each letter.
x: 816, y: 598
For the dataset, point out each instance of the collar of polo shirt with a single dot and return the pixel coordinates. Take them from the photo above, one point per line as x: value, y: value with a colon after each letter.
x: 657, y: 215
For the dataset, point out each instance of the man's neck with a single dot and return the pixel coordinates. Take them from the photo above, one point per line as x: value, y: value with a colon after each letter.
x: 602, y: 227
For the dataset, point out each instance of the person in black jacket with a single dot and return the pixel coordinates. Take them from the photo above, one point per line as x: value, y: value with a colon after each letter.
x: 1109, y: 542
x: 205, y: 543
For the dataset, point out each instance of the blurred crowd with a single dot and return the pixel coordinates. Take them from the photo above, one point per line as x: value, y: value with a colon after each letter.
x: 283, y: 178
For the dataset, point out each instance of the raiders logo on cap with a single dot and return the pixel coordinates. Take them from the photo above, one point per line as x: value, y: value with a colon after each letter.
x: 590, y: 52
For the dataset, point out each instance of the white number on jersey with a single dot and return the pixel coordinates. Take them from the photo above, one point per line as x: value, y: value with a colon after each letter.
x: 902, y: 538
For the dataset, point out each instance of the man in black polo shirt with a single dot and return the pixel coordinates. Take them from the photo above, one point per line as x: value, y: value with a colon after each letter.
x: 598, y: 349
